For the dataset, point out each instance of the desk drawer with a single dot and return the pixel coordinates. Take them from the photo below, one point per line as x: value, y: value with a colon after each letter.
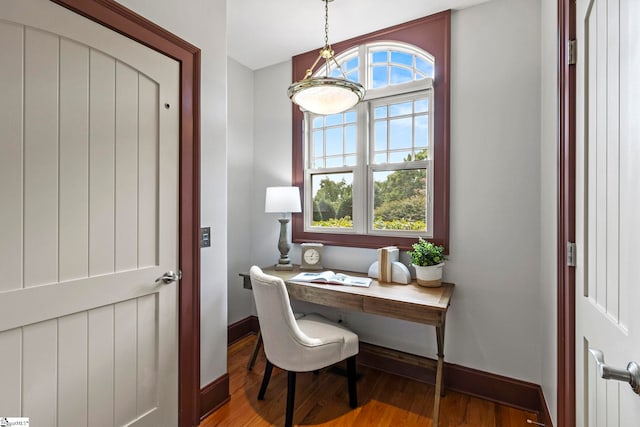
x: 402, y: 310
x: 324, y: 296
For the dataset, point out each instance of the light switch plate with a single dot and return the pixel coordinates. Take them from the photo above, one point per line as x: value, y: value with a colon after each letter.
x: 205, y: 237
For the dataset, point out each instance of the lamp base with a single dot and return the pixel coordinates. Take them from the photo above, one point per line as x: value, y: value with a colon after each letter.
x: 284, y: 267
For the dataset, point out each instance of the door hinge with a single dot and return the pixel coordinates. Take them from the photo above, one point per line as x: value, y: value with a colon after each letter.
x: 572, y: 52
x: 571, y: 254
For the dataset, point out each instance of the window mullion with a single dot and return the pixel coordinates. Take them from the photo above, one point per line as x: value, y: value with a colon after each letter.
x: 359, y: 192
x: 359, y: 197
x: 363, y: 66
x: 307, y: 203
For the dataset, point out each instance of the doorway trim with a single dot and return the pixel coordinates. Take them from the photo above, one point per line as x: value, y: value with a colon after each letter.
x: 124, y: 21
x: 566, y: 402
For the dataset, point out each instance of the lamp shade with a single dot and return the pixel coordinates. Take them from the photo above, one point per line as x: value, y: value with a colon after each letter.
x: 282, y: 199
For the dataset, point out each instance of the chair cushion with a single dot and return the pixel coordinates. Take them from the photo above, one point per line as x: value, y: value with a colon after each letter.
x: 326, y: 343
x: 316, y: 326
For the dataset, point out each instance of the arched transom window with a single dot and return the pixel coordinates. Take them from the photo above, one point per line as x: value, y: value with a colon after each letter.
x: 387, y: 64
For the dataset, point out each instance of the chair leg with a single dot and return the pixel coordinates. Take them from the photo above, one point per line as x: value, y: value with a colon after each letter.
x: 265, y: 380
x: 256, y: 350
x: 291, y: 396
x: 351, y: 374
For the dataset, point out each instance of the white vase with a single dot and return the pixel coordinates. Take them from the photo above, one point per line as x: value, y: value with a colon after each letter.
x: 429, y: 276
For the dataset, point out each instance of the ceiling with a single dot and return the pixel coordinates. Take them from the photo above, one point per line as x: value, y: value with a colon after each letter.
x: 263, y: 33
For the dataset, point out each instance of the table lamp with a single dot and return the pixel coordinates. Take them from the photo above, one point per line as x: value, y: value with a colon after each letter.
x: 284, y: 200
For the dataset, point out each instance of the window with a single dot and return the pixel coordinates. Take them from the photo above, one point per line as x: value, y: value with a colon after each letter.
x: 389, y: 162
x: 378, y: 174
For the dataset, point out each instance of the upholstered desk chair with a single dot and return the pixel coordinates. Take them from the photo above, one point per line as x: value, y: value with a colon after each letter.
x: 309, y: 343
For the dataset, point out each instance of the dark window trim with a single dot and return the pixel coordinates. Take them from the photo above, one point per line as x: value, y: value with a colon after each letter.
x: 433, y: 34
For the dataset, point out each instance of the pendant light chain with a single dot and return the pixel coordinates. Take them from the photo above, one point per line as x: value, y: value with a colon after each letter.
x: 325, y: 95
x: 327, y: 49
x: 326, y: 23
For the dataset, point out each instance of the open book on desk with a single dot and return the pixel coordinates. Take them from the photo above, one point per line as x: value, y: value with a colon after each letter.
x: 329, y: 277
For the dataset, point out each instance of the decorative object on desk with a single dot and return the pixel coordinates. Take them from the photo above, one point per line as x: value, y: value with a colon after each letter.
x: 326, y: 94
x: 386, y: 256
x: 284, y: 200
x: 311, y: 256
x: 399, y: 272
x: 373, y: 270
x: 428, y: 260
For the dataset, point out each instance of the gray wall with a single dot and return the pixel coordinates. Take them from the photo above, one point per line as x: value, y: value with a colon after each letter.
x: 548, y: 202
x: 240, y: 160
x: 494, y: 323
x: 495, y: 191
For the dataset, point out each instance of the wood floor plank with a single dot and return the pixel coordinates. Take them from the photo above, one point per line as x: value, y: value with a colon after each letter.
x: 384, y: 400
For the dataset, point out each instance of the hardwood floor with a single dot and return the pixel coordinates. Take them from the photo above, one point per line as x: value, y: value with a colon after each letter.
x: 322, y: 400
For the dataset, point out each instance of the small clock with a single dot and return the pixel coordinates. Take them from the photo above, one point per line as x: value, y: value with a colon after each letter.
x: 311, y: 256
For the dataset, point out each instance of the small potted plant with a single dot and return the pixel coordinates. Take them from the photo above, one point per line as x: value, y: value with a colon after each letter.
x: 428, y: 260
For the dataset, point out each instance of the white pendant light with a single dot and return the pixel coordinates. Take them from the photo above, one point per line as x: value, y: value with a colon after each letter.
x: 325, y: 95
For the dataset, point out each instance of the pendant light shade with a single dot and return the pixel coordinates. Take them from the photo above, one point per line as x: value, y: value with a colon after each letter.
x: 326, y: 95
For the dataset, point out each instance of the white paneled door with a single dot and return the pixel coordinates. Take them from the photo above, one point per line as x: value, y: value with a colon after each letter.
x: 89, y: 139
x: 608, y: 208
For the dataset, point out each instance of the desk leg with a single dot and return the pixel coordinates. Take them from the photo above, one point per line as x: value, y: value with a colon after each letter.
x: 439, y: 374
x: 254, y: 354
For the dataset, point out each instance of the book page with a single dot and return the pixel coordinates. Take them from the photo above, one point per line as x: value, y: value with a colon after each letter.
x: 313, y: 276
x: 343, y: 279
x: 332, y: 278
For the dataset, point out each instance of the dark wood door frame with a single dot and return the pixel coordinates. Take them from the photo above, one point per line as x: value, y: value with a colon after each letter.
x: 122, y: 20
x: 566, y: 403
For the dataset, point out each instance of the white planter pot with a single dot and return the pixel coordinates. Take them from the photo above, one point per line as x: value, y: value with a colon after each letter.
x: 429, y: 276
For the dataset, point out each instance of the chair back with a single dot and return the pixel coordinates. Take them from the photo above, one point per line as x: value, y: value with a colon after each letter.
x: 284, y: 342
